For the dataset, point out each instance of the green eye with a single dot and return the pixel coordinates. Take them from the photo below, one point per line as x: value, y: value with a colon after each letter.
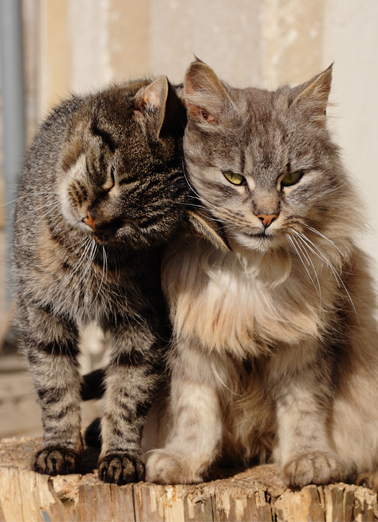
x: 232, y: 177
x: 291, y: 179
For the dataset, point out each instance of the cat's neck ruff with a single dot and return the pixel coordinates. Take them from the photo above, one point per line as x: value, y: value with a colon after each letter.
x: 243, y: 304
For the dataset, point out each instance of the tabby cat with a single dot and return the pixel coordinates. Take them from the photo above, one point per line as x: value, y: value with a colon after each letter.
x: 275, y: 342
x: 100, y: 195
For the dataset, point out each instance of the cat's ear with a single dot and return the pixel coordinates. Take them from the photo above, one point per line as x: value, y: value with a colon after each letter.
x: 205, y: 95
x: 150, y: 105
x: 312, y: 97
x: 207, y: 227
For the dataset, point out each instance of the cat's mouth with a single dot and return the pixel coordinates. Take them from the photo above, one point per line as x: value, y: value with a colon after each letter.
x: 260, y: 240
x: 259, y: 235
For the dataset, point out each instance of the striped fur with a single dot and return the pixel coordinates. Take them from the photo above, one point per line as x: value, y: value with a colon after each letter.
x: 100, y: 195
x: 275, y: 342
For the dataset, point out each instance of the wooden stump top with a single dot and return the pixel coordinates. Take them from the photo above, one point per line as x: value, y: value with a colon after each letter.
x: 256, y: 494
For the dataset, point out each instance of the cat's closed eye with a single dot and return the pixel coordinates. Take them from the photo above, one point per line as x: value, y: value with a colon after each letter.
x: 234, y: 178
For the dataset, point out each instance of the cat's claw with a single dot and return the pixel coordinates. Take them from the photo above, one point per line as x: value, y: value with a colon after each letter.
x: 56, y: 461
x: 121, y: 468
x: 163, y: 468
x: 313, y: 468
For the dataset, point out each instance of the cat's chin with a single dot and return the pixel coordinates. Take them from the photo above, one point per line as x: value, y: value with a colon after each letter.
x: 255, y: 242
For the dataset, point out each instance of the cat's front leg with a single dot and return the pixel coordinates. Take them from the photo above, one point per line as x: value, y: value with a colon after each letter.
x: 196, y: 419
x: 304, y: 402
x: 50, y: 346
x: 133, y: 376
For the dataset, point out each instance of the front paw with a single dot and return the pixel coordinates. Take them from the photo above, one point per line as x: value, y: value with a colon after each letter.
x: 121, y: 468
x: 56, y: 461
x: 163, y: 468
x: 313, y: 468
x: 368, y: 480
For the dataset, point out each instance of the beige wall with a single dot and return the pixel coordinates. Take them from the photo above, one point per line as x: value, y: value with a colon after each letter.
x: 227, y: 34
x: 79, y: 45
x: 351, y: 41
x: 82, y: 45
x: 293, y: 40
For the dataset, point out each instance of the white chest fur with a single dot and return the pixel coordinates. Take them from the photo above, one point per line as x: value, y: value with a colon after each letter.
x: 230, y: 305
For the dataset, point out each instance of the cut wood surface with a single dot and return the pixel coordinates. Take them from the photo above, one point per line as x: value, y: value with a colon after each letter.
x: 256, y: 494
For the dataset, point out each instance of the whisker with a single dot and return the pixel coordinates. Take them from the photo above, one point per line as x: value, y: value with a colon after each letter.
x: 92, y: 254
x: 293, y: 244
x: 302, y: 247
x: 319, y: 254
x: 26, y: 196
x: 102, y: 275
x: 324, y: 237
x: 87, y: 244
x: 49, y: 211
x: 313, y: 268
x: 192, y: 188
x: 337, y: 277
x: 77, y: 266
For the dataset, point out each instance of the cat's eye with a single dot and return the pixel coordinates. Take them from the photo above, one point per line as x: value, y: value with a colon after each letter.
x: 233, y: 177
x: 291, y: 179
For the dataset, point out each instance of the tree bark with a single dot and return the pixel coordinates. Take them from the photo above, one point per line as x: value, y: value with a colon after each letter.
x: 256, y: 494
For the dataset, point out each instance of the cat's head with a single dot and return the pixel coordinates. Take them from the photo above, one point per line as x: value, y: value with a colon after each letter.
x: 121, y: 177
x: 263, y: 163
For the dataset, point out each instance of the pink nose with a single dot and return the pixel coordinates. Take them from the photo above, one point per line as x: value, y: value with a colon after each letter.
x: 90, y: 221
x: 267, y: 220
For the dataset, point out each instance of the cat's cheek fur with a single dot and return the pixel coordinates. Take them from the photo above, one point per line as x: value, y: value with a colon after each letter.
x: 76, y: 172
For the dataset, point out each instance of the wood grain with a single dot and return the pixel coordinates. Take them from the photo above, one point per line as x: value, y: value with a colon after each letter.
x: 256, y: 494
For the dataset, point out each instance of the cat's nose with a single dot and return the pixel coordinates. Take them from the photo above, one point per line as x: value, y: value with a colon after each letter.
x: 89, y: 220
x: 266, y: 219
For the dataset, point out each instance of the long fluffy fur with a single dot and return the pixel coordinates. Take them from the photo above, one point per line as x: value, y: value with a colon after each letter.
x: 275, y: 342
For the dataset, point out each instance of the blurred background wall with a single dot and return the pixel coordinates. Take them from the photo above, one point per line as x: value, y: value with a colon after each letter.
x: 81, y: 45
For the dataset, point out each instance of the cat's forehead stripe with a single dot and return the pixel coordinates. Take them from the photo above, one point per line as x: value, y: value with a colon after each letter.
x: 242, y: 161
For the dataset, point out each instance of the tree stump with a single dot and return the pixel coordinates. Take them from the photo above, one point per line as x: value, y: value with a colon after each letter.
x: 256, y: 494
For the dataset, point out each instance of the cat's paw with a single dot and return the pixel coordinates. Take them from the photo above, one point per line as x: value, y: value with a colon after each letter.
x: 369, y: 480
x: 56, y: 461
x: 164, y: 468
x: 313, y: 468
x: 121, y: 468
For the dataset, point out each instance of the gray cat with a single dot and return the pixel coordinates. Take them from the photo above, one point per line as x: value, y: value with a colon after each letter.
x: 101, y: 194
x: 276, y: 348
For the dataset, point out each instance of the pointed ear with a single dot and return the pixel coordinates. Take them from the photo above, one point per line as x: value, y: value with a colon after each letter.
x: 202, y: 225
x: 204, y: 93
x: 313, y: 96
x: 150, y: 105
